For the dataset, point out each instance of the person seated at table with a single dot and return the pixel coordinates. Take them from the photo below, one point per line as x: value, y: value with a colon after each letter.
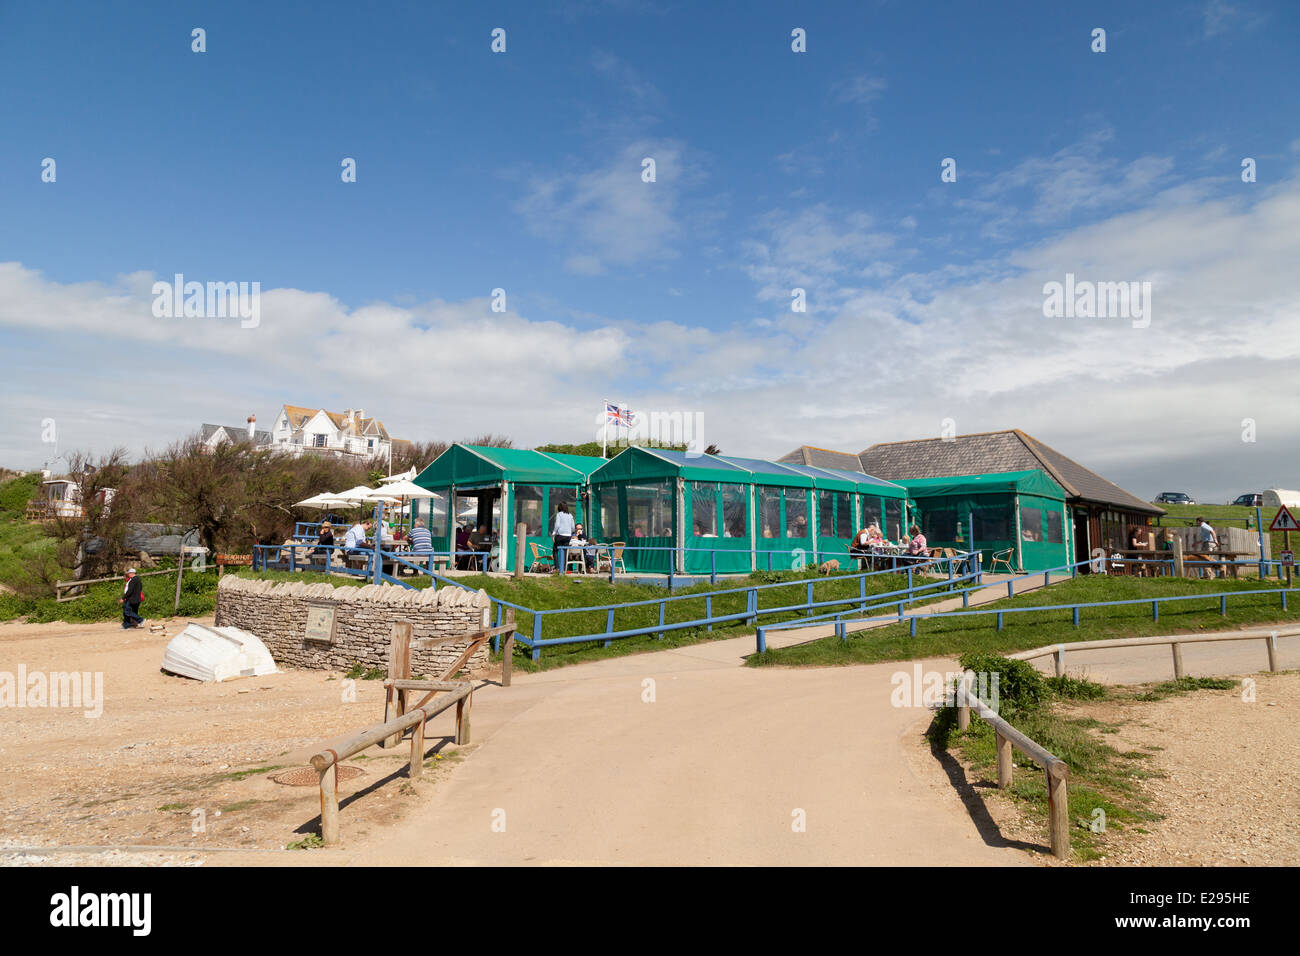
x: 579, y: 541
x: 479, y: 540
x: 860, y: 547
x: 357, y: 535
x: 421, y: 540
x: 462, y: 545
x: 326, y: 541
x: 916, y: 547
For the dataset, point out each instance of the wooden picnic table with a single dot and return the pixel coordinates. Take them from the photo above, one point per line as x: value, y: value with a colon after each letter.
x: 1160, y: 562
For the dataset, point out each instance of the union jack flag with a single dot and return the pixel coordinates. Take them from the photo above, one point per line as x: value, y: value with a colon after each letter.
x: 619, y: 415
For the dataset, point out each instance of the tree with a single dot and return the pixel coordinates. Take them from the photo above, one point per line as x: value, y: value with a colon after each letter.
x: 237, y: 494
x: 104, y: 493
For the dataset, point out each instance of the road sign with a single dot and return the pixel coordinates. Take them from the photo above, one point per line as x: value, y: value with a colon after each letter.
x: 1288, y: 559
x: 1284, y: 521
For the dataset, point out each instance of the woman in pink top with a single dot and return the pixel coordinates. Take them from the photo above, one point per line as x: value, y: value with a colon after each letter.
x: 916, y: 547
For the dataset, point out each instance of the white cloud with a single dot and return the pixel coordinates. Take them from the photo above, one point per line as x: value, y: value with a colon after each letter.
x: 816, y: 249
x: 609, y: 215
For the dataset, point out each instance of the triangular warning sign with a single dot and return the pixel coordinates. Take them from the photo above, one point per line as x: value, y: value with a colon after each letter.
x: 1284, y: 521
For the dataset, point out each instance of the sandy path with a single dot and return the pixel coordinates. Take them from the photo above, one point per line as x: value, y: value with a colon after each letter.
x: 585, y: 769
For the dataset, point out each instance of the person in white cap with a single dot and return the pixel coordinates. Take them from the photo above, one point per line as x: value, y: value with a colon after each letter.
x: 132, y: 595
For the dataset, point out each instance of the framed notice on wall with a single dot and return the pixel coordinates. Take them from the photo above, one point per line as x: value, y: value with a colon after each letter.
x: 320, y: 623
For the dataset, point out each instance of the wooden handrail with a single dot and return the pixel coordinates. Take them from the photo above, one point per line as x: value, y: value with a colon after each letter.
x: 396, y: 687
x: 325, y: 758
x: 1056, y: 770
x: 1267, y: 634
x: 328, y: 758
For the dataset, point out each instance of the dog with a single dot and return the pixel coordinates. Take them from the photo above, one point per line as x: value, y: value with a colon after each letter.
x: 829, y: 567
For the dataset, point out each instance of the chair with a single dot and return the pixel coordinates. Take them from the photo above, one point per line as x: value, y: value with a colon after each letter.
x: 575, y: 554
x: 1003, y: 558
x: 541, y: 560
x: 616, y: 557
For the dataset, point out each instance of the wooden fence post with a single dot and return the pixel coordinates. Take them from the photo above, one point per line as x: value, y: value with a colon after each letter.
x: 329, y: 805
x: 1271, y: 643
x: 1059, y: 810
x: 417, y: 750
x: 180, y: 569
x: 963, y: 705
x: 462, y: 718
x: 1004, y: 761
x: 521, y: 540
x: 508, y: 648
x: 399, y: 668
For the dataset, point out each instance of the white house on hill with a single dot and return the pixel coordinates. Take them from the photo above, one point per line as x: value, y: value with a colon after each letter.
x: 350, y: 432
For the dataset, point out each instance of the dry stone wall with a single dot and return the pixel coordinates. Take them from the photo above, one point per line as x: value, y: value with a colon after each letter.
x: 364, y: 618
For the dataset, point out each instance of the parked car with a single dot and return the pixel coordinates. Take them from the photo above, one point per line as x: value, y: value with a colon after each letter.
x: 1174, y: 498
x: 1250, y: 501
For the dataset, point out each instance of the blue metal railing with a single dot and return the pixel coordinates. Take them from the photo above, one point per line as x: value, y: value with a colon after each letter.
x: 842, y: 626
x: 753, y: 611
x: 951, y: 567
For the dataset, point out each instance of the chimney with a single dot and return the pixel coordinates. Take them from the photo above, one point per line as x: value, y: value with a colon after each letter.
x: 252, y: 427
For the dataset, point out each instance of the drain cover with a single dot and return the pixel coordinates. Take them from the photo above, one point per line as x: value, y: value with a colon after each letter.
x: 308, y: 777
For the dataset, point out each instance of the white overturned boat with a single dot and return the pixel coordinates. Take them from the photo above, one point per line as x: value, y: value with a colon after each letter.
x: 216, y: 654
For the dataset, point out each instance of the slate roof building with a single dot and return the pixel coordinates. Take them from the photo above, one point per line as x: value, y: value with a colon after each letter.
x: 815, y: 457
x: 214, y: 435
x: 1101, y: 511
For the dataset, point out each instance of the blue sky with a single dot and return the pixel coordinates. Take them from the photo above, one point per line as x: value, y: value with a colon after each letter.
x: 522, y: 171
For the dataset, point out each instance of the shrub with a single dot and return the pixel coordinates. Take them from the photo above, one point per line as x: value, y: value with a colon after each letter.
x: 1020, y: 687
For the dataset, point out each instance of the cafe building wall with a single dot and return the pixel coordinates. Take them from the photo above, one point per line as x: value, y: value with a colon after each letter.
x: 1024, y: 511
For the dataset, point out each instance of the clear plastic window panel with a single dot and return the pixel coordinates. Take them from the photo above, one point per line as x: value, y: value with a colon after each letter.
x: 940, y: 524
x: 893, y: 527
x: 769, y: 512
x: 528, y: 509
x: 1031, y: 524
x: 704, y: 508
x: 735, y: 511
x: 650, y: 510
x: 796, y: 513
x: 438, y: 516
x: 992, y: 523
x: 826, y: 512
x: 871, y: 511
x: 843, y: 517
x: 611, y: 527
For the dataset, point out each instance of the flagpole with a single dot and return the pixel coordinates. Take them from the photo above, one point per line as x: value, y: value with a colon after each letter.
x: 604, y: 438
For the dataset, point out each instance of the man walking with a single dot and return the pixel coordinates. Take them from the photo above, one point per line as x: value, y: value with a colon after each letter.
x: 132, y: 595
x: 1207, y: 536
